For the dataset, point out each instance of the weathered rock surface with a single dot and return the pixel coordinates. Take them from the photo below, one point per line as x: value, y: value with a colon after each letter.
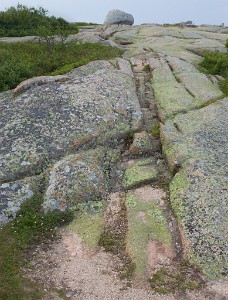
x: 196, y: 143
x: 138, y: 172
x: 13, y: 194
x: 179, y: 86
x: 194, y: 136
x: 76, y: 178
x: 97, y: 105
x: 141, y: 144
x: 117, y: 16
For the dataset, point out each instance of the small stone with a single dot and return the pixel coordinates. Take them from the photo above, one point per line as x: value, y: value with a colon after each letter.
x: 141, y: 171
x: 141, y: 144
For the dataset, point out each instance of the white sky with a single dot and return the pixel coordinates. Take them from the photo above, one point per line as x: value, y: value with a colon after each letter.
x: 143, y: 11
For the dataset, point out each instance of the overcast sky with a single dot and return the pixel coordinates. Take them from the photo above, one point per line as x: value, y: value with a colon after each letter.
x: 144, y: 11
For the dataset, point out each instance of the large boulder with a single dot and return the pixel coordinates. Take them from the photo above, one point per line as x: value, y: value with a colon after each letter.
x: 116, y: 16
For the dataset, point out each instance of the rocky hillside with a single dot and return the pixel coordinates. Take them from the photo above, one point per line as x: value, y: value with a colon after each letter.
x: 137, y: 147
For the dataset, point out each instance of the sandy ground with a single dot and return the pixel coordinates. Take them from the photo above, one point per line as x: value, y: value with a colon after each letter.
x: 69, y: 265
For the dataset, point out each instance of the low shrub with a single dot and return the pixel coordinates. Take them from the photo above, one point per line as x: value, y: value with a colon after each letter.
x: 20, y: 61
x: 215, y: 63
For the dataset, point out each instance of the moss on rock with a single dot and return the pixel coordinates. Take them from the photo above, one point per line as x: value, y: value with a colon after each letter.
x: 146, y: 221
x: 141, y: 171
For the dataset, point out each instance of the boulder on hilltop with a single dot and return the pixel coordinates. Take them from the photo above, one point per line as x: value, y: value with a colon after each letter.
x: 117, y: 16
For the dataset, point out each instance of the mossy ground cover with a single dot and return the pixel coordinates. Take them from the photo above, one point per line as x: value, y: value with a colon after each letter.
x: 152, y: 225
x: 88, y: 223
x: 18, y: 237
x: 20, y: 61
x: 184, y: 277
x: 155, y: 128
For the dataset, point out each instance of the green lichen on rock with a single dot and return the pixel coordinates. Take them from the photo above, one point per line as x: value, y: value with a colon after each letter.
x: 146, y: 221
x: 195, y: 147
x: 96, y: 105
x: 76, y: 178
x: 141, y: 171
x: 181, y: 87
x: 179, y: 183
x: 13, y: 194
x: 141, y: 144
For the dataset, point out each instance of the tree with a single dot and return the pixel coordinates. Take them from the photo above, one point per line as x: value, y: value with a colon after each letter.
x: 22, y: 20
x: 46, y: 34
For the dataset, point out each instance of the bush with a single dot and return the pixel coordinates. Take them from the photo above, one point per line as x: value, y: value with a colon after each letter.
x: 22, y: 20
x: 224, y: 86
x: 20, y: 61
x: 215, y: 63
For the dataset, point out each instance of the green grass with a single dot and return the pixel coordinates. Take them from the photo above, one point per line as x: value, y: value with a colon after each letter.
x: 89, y: 223
x: 20, y: 61
x: 30, y: 227
x: 224, y: 86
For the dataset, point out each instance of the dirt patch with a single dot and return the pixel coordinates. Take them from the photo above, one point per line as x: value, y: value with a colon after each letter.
x: 76, y: 247
x: 67, y: 272
x: 159, y: 255
x: 148, y: 193
x: 70, y: 268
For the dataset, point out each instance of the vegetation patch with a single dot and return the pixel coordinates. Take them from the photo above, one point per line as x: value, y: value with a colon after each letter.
x: 216, y: 63
x: 29, y: 227
x: 224, y: 86
x: 146, y: 68
x: 170, y: 280
x: 22, y: 20
x: 20, y: 61
x: 113, y: 239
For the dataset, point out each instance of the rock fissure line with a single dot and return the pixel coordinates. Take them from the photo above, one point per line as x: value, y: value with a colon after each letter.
x: 150, y: 99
